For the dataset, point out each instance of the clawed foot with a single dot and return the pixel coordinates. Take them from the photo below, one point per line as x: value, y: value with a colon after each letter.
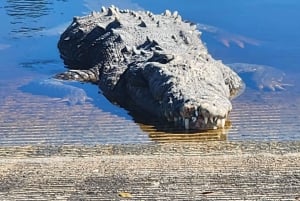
x: 227, y: 38
x: 269, y: 78
x: 79, y: 75
x: 274, y: 86
x: 239, y: 40
x: 263, y: 77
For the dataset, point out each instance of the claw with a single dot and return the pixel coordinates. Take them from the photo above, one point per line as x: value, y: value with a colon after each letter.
x: 265, y: 77
x: 281, y: 86
x: 278, y: 86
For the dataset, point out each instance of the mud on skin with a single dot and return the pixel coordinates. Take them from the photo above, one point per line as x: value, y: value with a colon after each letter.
x: 156, y: 64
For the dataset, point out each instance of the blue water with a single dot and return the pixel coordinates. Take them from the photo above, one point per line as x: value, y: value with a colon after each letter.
x: 259, y: 31
x: 30, y: 30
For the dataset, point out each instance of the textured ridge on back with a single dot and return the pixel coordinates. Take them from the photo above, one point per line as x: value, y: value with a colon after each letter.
x: 154, y: 62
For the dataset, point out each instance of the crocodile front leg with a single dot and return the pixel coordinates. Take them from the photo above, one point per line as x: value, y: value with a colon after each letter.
x: 264, y: 77
x: 90, y: 75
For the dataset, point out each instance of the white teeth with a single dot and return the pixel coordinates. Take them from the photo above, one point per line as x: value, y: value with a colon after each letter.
x: 211, y: 119
x: 186, y: 124
x: 196, y: 113
x: 223, y: 122
x: 215, y: 119
x: 205, y: 120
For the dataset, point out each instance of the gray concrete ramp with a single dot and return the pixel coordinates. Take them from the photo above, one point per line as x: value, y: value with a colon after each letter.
x: 182, y: 171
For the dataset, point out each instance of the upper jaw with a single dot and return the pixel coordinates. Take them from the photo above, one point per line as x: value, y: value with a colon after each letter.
x: 204, y: 122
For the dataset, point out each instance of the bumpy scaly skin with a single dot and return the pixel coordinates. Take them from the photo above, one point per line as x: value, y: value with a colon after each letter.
x: 156, y: 63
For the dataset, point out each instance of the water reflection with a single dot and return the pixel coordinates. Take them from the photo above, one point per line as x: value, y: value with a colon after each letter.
x: 164, y: 132
x: 25, y: 15
x: 169, y: 135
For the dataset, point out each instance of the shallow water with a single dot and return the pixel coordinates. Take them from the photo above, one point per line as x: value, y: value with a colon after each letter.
x: 260, y: 31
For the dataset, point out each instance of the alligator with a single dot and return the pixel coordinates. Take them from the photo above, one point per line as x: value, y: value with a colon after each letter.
x: 154, y: 64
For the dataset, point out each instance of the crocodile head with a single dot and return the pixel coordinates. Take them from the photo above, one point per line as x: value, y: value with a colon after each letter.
x: 194, y: 95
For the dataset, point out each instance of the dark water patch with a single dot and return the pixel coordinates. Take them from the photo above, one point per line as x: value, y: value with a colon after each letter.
x: 25, y: 15
x: 27, y: 18
x: 22, y: 9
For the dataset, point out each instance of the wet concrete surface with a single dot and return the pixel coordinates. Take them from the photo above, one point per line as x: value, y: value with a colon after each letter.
x: 186, y: 171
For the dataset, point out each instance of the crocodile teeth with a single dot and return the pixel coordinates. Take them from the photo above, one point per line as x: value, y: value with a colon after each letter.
x: 223, y: 122
x: 205, y: 120
x: 211, y: 119
x: 215, y: 119
x: 186, y: 124
x: 196, y: 113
